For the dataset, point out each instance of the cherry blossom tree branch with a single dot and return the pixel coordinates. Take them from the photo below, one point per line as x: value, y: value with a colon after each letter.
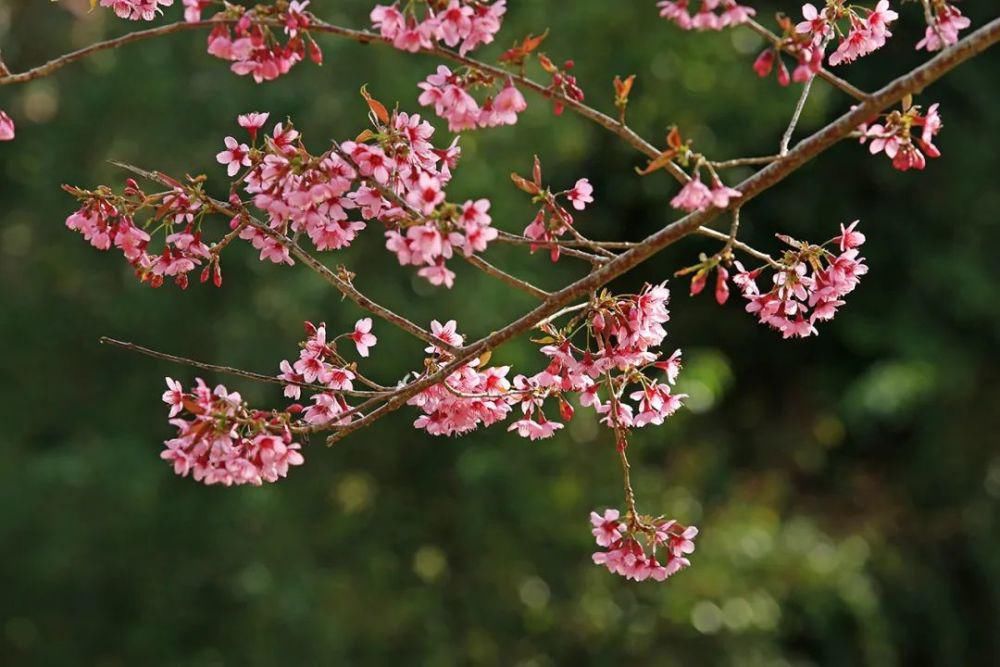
x: 766, y: 178
x: 570, y: 248
x: 341, y: 280
x: 505, y: 277
x: 226, y: 370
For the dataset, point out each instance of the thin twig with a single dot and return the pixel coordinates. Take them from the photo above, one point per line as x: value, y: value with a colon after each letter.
x: 568, y: 248
x: 744, y: 162
x: 786, y: 138
x: 227, y: 370
x: 503, y: 276
x: 739, y: 245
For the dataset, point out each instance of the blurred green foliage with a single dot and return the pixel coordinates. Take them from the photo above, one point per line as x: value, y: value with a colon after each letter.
x: 847, y: 486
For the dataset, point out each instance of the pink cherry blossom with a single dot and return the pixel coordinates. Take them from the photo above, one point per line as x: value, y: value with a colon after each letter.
x: 252, y: 122
x: 174, y: 397
x: 6, y: 127
x: 694, y: 196
x: 194, y: 8
x: 362, y: 336
x: 581, y: 194
x: 235, y: 156
x: 947, y: 22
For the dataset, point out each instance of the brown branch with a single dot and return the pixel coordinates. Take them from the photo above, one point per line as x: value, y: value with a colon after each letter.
x: 505, y: 277
x: 568, y: 248
x: 227, y: 370
x: 786, y: 138
x: 769, y: 176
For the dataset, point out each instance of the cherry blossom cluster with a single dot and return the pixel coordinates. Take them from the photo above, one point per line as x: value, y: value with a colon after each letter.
x: 448, y: 93
x: 621, y: 334
x: 422, y: 24
x: 326, y: 373
x: 861, y: 31
x: 253, y: 44
x: 136, y: 10
x: 625, y: 544
x: 106, y: 219
x: 392, y: 174
x: 6, y: 127
x: 552, y: 221
x: 473, y: 395
x: 220, y: 440
x: 809, y: 286
x: 711, y: 14
x: 694, y: 195
x: 896, y: 137
x: 946, y: 21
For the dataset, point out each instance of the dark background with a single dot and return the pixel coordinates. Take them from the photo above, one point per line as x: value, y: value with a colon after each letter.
x: 846, y: 485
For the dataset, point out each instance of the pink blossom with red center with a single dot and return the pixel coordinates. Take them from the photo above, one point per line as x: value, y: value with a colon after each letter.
x: 363, y: 337
x: 194, y: 8
x: 252, y: 122
x: 895, y: 137
x: 581, y: 194
x: 235, y: 156
x: 465, y: 24
x: 946, y: 22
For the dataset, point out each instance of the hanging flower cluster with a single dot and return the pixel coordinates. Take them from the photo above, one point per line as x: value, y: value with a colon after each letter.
x: 810, y: 285
x: 896, y: 136
x: 552, y: 221
x: 945, y: 22
x: 220, y: 440
x: 625, y: 544
x: 694, y: 195
x: 106, y: 219
x: 254, y: 45
x: 421, y: 24
x: 448, y: 93
x: 860, y: 30
x: 711, y: 14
